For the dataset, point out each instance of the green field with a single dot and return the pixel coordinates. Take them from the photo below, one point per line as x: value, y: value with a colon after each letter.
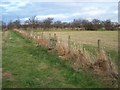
x: 26, y: 65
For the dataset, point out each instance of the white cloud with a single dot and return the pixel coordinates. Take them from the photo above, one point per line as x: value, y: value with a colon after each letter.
x: 88, y: 13
x: 115, y: 12
x: 10, y: 6
x: 56, y: 16
x: 74, y: 0
x: 61, y: 17
x: 89, y: 19
x: 60, y: 0
x: 93, y: 11
x: 71, y: 10
x: 24, y: 19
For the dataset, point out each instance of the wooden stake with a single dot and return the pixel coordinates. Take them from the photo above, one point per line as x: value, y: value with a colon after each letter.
x: 99, y: 47
x: 69, y: 42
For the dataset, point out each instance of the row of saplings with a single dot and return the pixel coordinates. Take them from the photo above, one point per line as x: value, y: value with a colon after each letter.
x: 80, y: 59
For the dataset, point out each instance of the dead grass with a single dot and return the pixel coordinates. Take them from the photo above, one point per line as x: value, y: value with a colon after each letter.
x: 108, y: 39
x: 7, y: 75
x: 42, y: 66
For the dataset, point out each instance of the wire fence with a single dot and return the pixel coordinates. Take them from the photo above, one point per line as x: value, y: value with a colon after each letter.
x: 76, y: 53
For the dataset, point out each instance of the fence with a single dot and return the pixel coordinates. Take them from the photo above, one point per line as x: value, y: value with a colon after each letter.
x: 74, y: 52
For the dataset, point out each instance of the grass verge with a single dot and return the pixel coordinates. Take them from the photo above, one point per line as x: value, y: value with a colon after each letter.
x: 28, y: 66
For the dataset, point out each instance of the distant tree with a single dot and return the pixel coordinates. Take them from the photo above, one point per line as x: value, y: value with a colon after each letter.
x: 77, y: 23
x: 17, y: 24
x: 3, y: 26
x: 108, y: 25
x: 97, y: 24
x: 58, y: 24
x: 87, y: 25
x: 47, y: 23
x: 64, y: 25
x: 10, y: 25
x: 32, y: 22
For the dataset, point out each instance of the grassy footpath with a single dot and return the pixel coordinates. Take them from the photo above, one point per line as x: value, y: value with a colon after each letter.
x: 25, y: 65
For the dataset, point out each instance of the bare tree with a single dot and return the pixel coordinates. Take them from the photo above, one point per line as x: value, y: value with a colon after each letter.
x: 47, y: 23
x: 77, y: 23
x: 10, y: 25
x: 16, y: 24
x: 108, y: 25
x: 3, y: 26
x: 58, y: 24
x: 97, y: 24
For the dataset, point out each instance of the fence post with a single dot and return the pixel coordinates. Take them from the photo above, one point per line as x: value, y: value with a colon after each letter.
x: 42, y: 35
x: 99, y: 43
x: 50, y: 43
x: 83, y: 49
x: 69, y: 42
x: 55, y: 40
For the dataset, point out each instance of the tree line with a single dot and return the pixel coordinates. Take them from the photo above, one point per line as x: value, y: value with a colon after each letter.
x: 49, y: 23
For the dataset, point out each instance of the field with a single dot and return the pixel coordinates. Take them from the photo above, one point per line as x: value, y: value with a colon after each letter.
x: 88, y: 40
x: 109, y: 39
x: 26, y: 65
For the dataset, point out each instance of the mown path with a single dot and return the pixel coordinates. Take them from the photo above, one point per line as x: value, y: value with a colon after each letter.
x: 26, y: 65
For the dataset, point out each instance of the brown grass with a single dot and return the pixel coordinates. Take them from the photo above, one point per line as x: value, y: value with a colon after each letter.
x: 42, y: 66
x: 7, y: 75
x: 108, y: 38
x: 103, y: 65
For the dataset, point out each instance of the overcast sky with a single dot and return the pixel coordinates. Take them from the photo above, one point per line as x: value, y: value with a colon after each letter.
x: 64, y: 10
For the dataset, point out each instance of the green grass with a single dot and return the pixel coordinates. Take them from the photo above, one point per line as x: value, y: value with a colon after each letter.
x: 28, y: 66
x: 0, y: 57
x: 113, y: 54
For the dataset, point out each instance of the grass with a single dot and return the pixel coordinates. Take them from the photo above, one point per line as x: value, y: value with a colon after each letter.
x: 109, y: 39
x: 28, y: 66
x: 113, y: 54
x: 88, y: 39
x: 0, y: 57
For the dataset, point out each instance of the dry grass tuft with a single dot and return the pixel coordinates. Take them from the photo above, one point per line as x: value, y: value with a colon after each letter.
x: 104, y: 66
x: 7, y: 75
x: 42, y: 66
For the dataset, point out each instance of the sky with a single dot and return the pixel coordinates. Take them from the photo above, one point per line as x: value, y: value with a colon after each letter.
x: 64, y: 10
